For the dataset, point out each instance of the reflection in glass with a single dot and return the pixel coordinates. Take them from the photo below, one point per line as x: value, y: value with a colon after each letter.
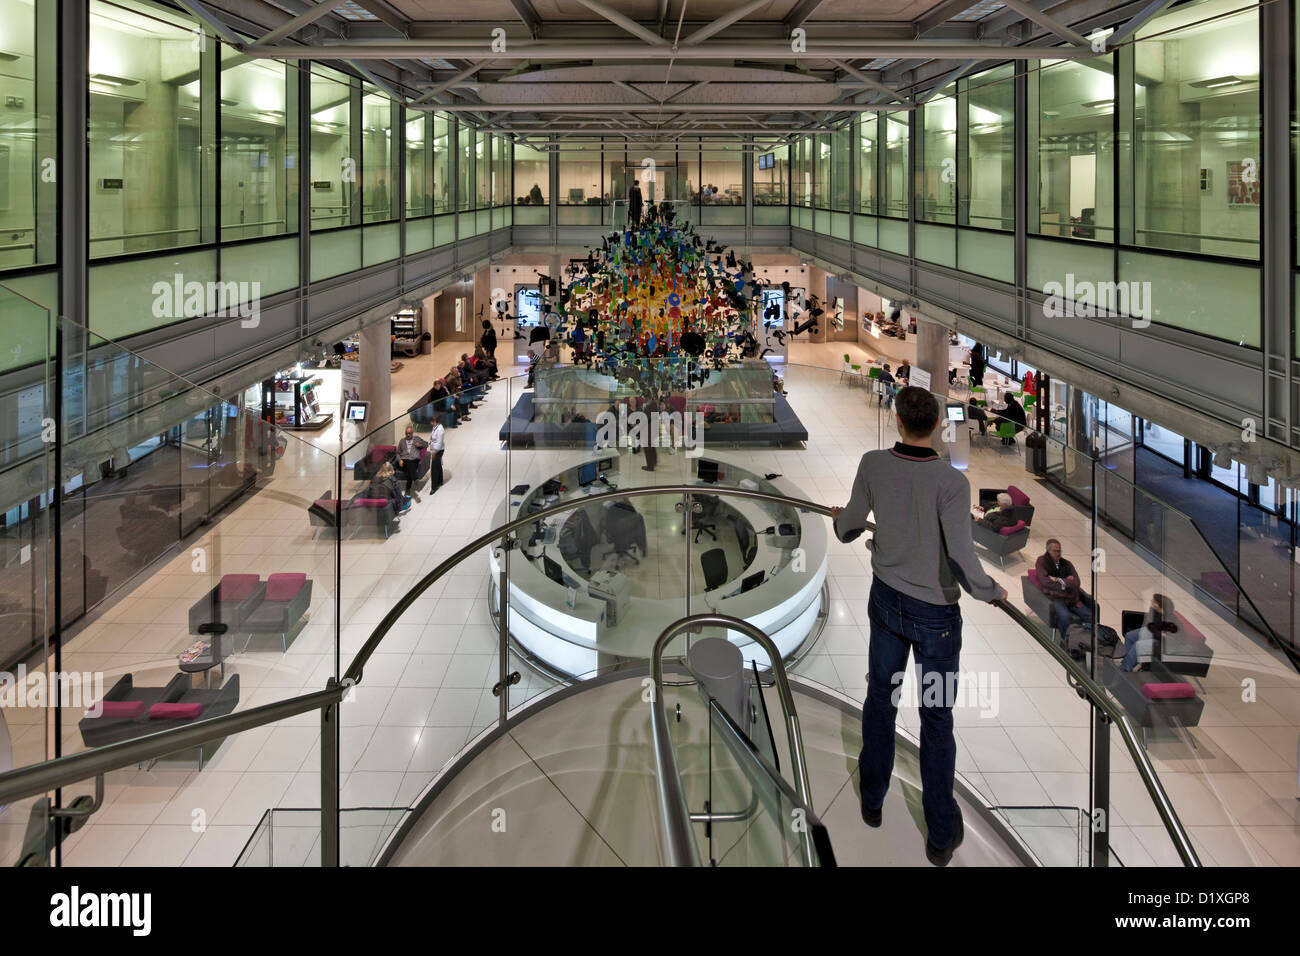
x: 146, y: 190
x: 259, y: 147
x: 333, y: 162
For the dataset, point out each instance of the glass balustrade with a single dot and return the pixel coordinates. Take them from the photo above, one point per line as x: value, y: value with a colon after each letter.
x: 463, y: 631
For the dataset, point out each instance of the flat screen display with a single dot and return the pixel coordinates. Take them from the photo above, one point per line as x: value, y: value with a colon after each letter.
x: 956, y: 413
x: 356, y: 411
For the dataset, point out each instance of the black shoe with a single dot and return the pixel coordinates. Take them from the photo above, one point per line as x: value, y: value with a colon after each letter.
x: 943, y: 857
x: 872, y: 818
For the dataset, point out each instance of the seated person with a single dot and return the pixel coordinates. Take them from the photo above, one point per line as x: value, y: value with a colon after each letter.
x: 1014, y: 413
x: 1158, y: 620
x: 485, y: 357
x: 886, y: 395
x: 383, y: 484
x: 477, y: 376
x: 1058, y: 579
x: 977, y: 415
x: 999, y: 517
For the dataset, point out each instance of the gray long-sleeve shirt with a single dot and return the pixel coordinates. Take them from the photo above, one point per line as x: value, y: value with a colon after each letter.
x: 921, y: 504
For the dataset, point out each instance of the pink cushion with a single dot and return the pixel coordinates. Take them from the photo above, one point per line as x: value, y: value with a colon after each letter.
x: 236, y: 587
x: 120, y: 708
x: 380, y: 452
x: 1174, y: 691
x: 175, y: 711
x: 1018, y: 498
x: 284, y: 587
x: 1012, y: 528
x: 369, y: 502
x: 1188, y: 633
x: 1033, y: 577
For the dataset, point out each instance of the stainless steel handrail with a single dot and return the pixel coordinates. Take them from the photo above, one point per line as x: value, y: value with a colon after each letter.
x: 51, y: 774
x: 676, y: 815
x: 43, y: 777
x: 739, y: 744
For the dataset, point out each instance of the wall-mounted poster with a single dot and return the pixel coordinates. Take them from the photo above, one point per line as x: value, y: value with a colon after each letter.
x: 1243, y: 183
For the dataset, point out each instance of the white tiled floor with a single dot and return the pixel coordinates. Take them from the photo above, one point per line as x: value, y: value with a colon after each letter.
x: 426, y: 692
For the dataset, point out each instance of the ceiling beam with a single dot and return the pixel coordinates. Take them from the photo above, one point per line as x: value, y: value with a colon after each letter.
x: 1136, y: 23
x: 1051, y: 24
x: 632, y: 89
x: 938, y: 16
x: 869, y: 81
x: 549, y: 50
x: 290, y: 27
x: 626, y: 23
x: 945, y: 80
x: 209, y: 17
x: 593, y: 108
x: 524, y: 10
x: 445, y: 85
x: 386, y: 12
x: 801, y: 12
x: 703, y: 33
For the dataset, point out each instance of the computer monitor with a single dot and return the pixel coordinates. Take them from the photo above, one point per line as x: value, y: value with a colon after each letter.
x: 588, y: 473
x: 355, y: 411
x: 707, y: 471
x: 575, y: 196
x: 552, y: 569
x: 753, y: 581
x: 766, y: 160
x: 956, y: 413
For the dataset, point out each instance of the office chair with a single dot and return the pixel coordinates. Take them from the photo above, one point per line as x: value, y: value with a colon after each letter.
x: 714, y: 563
x: 625, y: 529
x: 706, y: 523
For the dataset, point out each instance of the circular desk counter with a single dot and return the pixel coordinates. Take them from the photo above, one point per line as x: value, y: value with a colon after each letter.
x: 788, y: 605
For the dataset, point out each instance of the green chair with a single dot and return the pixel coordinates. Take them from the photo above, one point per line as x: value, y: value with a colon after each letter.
x: 1007, y: 431
x: 846, y: 369
x: 1030, y: 401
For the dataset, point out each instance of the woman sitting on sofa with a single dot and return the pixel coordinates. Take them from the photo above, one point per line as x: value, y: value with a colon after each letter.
x: 383, y: 484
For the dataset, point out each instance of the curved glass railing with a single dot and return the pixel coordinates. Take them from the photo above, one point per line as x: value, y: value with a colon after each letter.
x: 447, y: 613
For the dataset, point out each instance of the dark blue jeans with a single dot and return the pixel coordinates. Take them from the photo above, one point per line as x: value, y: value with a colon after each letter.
x: 899, y: 625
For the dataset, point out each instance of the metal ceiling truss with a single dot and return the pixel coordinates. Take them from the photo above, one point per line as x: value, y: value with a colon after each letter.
x: 462, y: 67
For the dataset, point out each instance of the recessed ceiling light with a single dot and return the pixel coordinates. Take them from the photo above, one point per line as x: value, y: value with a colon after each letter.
x: 1216, y: 81
x: 1100, y: 104
x: 113, y: 80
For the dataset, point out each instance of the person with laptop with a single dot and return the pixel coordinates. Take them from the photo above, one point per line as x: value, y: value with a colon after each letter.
x: 922, y: 557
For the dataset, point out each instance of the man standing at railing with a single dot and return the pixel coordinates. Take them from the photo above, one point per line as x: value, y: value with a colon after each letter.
x: 921, y: 558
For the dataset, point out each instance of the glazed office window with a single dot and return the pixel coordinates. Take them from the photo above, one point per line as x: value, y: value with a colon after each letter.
x: 722, y: 174
x: 465, y: 143
x: 532, y: 176
x: 148, y: 136
x: 988, y: 182
x: 1071, y: 146
x: 841, y: 160
x: 259, y: 147
x: 619, y: 175
x: 821, y: 171
x: 482, y: 170
x: 771, y: 167
x: 419, y: 164
x: 27, y: 75
x: 441, y: 160
x: 580, y: 173
x: 937, y: 163
x: 335, y: 175
x: 801, y: 172
x: 501, y: 177
x: 1197, y: 180
x: 378, y: 158
x: 868, y: 127
x: 894, y: 192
